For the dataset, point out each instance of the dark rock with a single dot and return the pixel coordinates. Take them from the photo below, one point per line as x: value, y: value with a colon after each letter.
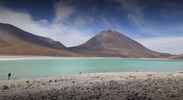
x: 5, y: 87
x: 50, y: 80
x: 27, y: 82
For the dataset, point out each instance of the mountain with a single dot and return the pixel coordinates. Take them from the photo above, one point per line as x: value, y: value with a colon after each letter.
x: 18, y: 42
x: 177, y: 57
x: 14, y: 41
x: 114, y: 44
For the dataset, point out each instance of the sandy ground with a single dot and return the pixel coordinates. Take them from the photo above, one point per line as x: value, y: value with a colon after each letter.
x: 102, y: 86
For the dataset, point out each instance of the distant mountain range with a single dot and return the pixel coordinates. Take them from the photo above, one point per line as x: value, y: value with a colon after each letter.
x: 177, y: 57
x: 14, y: 41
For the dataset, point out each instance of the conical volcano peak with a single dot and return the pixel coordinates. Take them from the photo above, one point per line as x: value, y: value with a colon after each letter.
x: 109, y: 34
x: 110, y: 31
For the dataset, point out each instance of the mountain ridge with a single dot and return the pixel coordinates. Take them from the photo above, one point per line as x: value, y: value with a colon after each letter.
x: 14, y: 41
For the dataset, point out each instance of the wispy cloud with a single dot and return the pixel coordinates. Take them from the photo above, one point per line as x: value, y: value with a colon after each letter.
x: 166, y: 19
x: 136, y: 15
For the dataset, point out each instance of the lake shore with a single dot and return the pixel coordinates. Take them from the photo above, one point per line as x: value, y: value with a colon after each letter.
x: 117, y: 86
x: 23, y: 57
x: 29, y: 57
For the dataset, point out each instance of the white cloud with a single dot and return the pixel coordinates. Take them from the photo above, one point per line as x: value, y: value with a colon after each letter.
x: 63, y: 10
x: 21, y: 19
x: 69, y: 35
x: 172, y: 45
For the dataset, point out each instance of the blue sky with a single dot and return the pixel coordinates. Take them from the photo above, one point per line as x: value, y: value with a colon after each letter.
x: 157, y: 24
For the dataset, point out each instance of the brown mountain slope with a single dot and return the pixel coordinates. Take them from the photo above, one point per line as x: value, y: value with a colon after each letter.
x: 18, y: 42
x: 111, y: 43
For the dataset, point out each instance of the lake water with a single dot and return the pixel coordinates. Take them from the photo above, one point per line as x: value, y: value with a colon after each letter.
x: 56, y: 67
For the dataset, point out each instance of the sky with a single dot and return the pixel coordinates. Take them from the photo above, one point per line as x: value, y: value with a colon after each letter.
x: 156, y: 24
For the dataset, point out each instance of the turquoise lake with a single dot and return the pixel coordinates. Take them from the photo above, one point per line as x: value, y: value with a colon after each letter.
x: 57, y: 67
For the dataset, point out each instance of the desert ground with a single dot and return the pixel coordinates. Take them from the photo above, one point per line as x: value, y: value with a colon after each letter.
x: 102, y: 86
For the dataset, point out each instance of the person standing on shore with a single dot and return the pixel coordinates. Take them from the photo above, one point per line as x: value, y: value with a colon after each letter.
x: 9, y: 75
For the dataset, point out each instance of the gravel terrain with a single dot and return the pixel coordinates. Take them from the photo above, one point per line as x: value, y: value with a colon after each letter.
x: 101, y: 86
